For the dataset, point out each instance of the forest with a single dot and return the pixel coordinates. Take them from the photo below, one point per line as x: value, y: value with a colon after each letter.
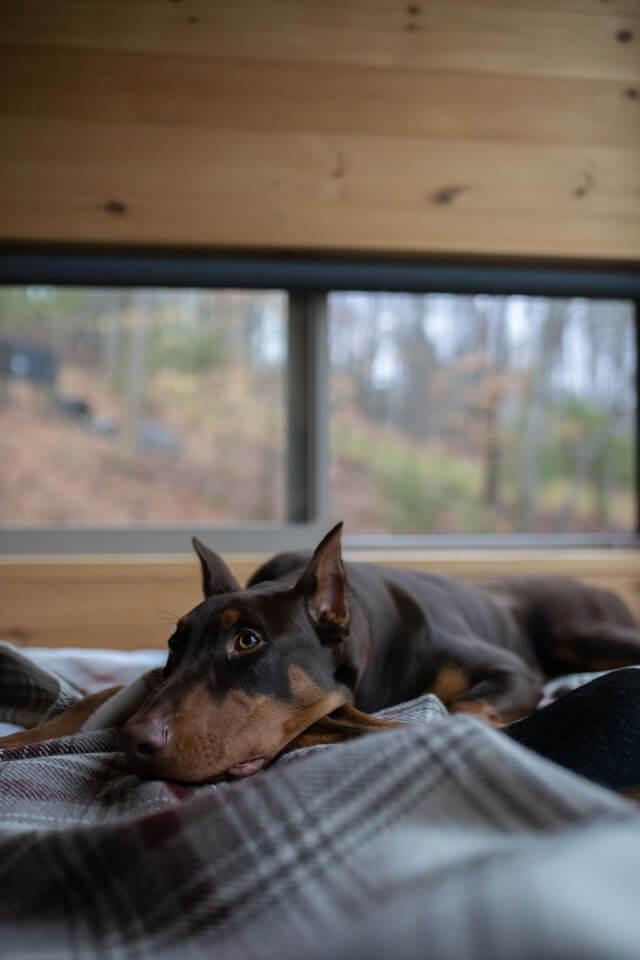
x: 448, y: 414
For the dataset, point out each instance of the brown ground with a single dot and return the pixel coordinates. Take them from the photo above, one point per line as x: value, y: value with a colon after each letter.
x: 57, y: 473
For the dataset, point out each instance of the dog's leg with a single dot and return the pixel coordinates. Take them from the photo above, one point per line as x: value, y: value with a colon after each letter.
x: 345, y: 723
x: 65, y: 723
x: 494, y: 684
x: 593, y: 646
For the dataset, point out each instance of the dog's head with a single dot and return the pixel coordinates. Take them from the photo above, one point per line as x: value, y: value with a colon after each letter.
x: 248, y: 670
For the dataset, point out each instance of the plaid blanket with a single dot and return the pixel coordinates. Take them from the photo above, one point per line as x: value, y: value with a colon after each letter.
x: 441, y: 839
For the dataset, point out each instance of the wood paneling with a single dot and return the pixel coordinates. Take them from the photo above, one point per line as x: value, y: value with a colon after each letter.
x: 548, y: 39
x: 153, y: 90
x: 488, y: 127
x: 126, y: 603
x: 297, y: 190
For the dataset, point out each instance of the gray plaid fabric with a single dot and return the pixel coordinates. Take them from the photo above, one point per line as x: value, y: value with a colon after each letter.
x: 28, y: 694
x: 442, y: 839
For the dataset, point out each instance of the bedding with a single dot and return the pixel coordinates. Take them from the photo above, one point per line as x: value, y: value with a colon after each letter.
x: 442, y: 838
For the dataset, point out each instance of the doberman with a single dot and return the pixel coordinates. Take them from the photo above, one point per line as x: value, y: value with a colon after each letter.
x: 250, y: 670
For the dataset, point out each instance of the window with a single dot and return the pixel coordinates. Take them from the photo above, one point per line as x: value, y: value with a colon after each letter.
x: 142, y: 407
x: 485, y: 414
x: 143, y: 399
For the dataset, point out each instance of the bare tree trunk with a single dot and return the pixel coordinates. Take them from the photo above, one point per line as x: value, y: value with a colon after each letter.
x: 418, y: 361
x: 493, y: 458
x: 138, y: 328
x: 551, y: 334
x: 112, y: 338
x: 365, y: 386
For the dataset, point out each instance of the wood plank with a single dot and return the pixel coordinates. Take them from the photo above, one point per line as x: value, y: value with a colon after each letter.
x: 316, y: 191
x: 596, y: 8
x: 516, y: 39
x: 127, y: 603
x: 180, y: 92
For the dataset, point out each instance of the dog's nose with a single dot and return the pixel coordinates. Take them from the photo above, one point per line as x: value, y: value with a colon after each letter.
x: 144, y: 740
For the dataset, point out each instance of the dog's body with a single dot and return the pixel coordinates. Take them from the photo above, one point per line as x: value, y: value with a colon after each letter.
x: 250, y: 670
x: 486, y: 648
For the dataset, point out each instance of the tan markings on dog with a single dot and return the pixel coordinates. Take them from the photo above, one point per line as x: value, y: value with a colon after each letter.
x: 631, y: 793
x: 450, y: 682
x: 312, y: 699
x: 569, y: 657
x: 303, y: 687
x: 208, y: 735
x: 345, y: 723
x: 183, y: 621
x: 229, y: 617
x: 480, y: 709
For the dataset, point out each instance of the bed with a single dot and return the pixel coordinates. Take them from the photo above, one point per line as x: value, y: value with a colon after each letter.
x: 440, y: 838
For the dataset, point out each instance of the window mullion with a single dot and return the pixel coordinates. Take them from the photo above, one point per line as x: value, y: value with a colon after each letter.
x: 307, y: 410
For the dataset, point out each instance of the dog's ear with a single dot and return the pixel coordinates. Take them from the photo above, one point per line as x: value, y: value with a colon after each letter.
x: 325, y: 585
x: 216, y: 576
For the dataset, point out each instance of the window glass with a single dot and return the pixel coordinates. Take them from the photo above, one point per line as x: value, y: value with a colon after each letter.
x: 141, y: 408
x: 485, y: 414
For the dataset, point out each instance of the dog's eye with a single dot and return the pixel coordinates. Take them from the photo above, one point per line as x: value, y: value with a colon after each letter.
x: 247, y: 640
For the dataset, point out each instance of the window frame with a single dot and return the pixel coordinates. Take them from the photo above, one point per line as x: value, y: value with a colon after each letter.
x: 307, y: 281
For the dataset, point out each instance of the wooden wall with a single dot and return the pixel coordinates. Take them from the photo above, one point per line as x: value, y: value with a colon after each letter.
x: 490, y: 127
x: 129, y: 603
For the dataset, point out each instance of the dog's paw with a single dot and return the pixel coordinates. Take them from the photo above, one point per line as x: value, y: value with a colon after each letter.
x: 480, y: 709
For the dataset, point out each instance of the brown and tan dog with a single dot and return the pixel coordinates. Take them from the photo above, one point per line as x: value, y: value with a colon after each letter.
x: 253, y: 671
